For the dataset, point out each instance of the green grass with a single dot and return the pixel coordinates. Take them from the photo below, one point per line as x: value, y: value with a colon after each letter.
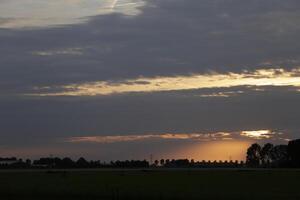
x: 143, y: 185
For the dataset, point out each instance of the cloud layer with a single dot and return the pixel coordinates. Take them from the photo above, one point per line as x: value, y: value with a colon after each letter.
x: 157, y: 66
x: 202, y: 137
x: 35, y: 14
x: 270, y: 77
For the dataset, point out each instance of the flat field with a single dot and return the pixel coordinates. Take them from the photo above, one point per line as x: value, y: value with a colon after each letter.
x: 182, y: 184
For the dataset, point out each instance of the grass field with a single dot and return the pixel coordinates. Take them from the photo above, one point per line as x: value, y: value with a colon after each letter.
x: 143, y: 185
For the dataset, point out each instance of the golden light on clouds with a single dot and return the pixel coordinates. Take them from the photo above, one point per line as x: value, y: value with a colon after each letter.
x: 263, y: 77
x: 204, y: 137
x: 259, y: 134
x: 166, y: 136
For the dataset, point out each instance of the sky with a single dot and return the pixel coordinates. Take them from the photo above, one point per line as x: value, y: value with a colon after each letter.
x: 124, y: 79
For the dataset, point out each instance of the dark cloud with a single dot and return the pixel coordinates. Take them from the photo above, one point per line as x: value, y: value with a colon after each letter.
x: 167, y: 38
x: 274, y: 108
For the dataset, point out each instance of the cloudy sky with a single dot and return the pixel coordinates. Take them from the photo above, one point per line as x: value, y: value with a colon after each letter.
x: 123, y: 79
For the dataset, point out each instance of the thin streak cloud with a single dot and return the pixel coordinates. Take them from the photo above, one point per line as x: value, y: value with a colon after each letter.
x: 262, y: 77
x: 253, y: 134
x: 167, y: 136
x: 67, y: 51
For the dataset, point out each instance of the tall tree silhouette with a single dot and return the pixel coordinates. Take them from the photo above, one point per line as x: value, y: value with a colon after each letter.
x: 294, y: 152
x: 82, y: 163
x: 253, y: 155
x: 279, y: 155
x: 265, y: 154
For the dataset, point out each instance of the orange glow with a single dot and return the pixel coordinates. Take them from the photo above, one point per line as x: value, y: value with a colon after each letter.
x: 214, y: 150
x: 197, y: 146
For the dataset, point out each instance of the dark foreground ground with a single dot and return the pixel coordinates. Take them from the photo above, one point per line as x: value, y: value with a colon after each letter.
x: 150, y: 184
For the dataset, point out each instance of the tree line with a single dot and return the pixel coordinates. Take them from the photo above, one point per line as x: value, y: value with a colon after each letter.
x: 268, y: 156
x: 68, y: 163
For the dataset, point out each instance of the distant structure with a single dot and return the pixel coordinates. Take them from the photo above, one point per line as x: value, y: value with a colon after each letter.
x: 8, y: 161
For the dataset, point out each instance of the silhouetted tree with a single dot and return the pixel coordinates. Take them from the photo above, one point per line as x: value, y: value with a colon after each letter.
x: 280, y: 156
x: 82, y: 163
x: 167, y: 162
x: 28, y: 162
x: 192, y: 163
x: 44, y: 162
x: 253, y: 155
x: 294, y: 153
x: 67, y: 163
x: 265, y: 154
x: 162, y: 162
